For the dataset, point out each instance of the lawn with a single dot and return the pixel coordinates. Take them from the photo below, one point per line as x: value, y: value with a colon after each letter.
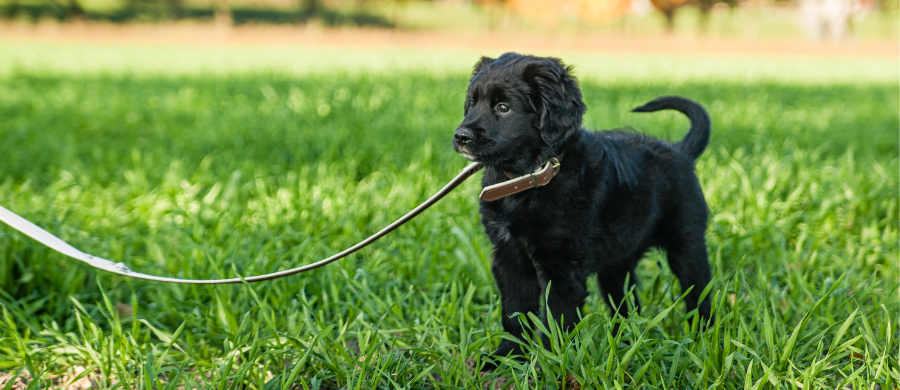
x: 214, y: 162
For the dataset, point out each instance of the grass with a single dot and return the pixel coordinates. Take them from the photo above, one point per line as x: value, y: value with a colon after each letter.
x: 206, y: 172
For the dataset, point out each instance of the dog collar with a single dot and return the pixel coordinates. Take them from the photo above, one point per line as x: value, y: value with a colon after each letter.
x: 539, y: 178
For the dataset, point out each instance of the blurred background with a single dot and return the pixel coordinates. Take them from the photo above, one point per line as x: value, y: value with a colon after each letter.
x: 867, y: 25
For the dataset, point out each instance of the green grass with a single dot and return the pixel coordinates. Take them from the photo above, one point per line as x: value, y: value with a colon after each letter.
x: 204, y: 170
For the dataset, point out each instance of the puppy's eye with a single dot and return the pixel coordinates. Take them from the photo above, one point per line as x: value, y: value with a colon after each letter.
x: 502, y: 108
x: 471, y: 102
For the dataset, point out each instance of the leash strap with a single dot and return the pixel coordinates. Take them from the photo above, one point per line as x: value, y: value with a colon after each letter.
x: 53, y: 242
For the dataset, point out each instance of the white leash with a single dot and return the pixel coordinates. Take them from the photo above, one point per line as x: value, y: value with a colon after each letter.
x: 53, y: 242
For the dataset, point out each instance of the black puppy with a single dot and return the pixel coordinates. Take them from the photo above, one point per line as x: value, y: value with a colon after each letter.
x: 615, y: 195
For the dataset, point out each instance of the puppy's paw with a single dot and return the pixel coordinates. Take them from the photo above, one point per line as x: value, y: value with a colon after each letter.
x: 489, y: 364
x: 707, y: 322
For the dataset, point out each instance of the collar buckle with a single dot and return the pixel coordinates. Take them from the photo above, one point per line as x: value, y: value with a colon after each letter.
x: 553, y: 162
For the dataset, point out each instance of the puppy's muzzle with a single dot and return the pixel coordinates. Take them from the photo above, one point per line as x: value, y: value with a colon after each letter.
x: 463, y: 136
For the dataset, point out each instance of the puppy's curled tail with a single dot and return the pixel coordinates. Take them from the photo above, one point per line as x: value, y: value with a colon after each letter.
x: 698, y: 136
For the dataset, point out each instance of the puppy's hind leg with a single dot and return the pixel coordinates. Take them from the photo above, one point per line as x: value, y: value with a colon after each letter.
x: 689, y: 262
x: 520, y: 292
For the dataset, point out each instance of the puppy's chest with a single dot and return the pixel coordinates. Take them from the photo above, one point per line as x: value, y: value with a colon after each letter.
x: 533, y: 219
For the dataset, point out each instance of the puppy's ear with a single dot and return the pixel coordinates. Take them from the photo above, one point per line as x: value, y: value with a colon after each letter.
x: 482, y: 63
x: 556, y: 96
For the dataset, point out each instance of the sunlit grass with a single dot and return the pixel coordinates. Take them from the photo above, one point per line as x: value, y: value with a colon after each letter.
x: 188, y: 174
x: 142, y: 61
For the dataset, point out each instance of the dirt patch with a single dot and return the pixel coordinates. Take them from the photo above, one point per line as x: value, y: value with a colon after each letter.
x: 301, y: 36
x: 75, y: 379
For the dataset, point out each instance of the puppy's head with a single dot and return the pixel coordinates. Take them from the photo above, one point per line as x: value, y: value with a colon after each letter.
x: 519, y: 110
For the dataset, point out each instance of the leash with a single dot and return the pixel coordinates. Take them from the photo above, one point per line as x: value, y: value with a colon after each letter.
x: 55, y: 243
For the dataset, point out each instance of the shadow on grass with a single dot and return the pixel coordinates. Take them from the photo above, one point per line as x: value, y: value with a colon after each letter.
x: 160, y: 12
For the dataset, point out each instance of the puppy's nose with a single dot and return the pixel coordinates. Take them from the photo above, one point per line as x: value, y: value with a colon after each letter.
x: 463, y: 136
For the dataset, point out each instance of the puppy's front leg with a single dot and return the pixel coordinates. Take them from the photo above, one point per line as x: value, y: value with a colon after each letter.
x: 519, y: 292
x: 568, y: 287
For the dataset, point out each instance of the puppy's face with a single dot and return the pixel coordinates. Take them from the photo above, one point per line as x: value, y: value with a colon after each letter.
x: 518, y: 110
x: 501, y: 124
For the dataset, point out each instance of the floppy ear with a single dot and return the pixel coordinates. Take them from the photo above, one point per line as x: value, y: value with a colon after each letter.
x: 483, y: 62
x: 556, y: 97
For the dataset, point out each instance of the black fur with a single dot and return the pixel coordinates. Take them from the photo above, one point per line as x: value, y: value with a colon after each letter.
x: 617, y: 195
